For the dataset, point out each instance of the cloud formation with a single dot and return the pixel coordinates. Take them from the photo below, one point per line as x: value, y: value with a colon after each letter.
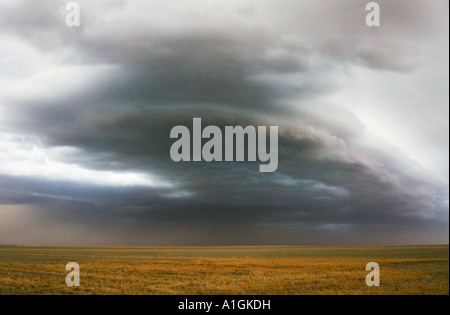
x: 86, y: 114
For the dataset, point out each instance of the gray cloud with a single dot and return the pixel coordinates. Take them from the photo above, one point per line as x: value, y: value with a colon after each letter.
x: 130, y: 80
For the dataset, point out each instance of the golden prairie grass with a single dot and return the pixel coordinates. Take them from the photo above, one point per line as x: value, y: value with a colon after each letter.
x: 235, y: 271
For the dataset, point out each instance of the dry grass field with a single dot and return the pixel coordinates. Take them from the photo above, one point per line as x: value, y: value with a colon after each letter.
x: 225, y: 270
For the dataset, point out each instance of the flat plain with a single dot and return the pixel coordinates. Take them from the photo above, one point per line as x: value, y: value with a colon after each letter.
x: 412, y: 270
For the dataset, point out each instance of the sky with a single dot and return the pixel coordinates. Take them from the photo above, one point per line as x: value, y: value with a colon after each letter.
x: 86, y: 114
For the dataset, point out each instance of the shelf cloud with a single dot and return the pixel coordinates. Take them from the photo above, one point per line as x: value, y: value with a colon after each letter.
x: 86, y: 114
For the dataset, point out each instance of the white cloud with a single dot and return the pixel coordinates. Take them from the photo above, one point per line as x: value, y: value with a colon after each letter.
x: 23, y: 157
x: 404, y: 111
x: 54, y: 82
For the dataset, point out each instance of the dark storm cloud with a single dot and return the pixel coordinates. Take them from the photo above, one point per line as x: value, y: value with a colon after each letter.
x: 140, y: 217
x: 328, y: 185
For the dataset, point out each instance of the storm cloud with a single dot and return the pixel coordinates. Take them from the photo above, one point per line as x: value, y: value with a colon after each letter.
x: 86, y: 114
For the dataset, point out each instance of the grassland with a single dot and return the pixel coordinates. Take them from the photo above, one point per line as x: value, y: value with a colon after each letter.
x: 225, y: 270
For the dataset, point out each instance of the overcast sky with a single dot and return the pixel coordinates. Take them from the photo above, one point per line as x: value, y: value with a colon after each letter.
x: 86, y: 114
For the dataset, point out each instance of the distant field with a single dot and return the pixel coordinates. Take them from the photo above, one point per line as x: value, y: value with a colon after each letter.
x: 225, y: 270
